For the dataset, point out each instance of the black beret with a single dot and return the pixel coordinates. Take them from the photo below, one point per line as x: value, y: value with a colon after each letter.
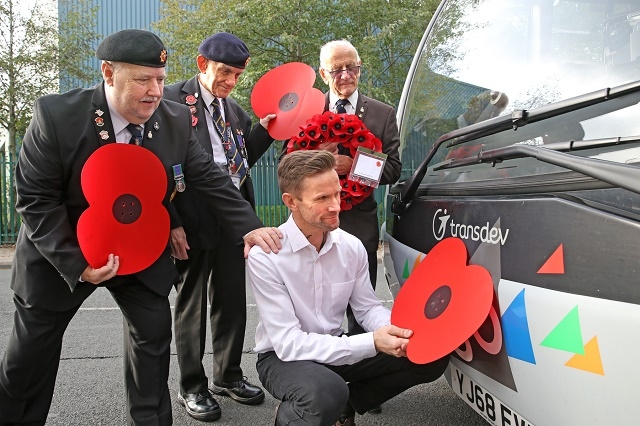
x: 136, y: 47
x: 225, y: 48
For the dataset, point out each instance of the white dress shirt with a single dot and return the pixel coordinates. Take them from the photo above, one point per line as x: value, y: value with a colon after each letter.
x: 350, y: 107
x: 302, y: 296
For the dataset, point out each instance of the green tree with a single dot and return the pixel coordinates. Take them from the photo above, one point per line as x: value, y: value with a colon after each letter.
x: 385, y: 32
x: 32, y: 51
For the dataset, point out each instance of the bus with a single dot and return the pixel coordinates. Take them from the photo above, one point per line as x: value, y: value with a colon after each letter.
x: 520, y: 137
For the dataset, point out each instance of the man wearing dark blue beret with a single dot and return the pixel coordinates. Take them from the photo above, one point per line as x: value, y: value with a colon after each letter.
x: 211, y: 266
x: 51, y: 277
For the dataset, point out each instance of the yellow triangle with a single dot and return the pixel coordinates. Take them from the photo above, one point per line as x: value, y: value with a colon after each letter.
x: 590, y: 361
x: 416, y: 263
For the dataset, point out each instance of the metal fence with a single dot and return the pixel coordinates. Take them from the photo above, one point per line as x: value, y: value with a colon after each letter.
x: 269, y: 206
x: 9, y: 219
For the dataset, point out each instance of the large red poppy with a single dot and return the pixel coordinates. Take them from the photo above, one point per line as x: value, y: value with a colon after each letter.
x: 124, y: 185
x: 444, y: 301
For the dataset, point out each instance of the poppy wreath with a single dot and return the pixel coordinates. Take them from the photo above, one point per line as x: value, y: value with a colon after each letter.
x: 347, y: 130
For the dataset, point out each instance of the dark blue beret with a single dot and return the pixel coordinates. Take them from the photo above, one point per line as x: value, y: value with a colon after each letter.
x: 225, y: 48
x: 136, y: 47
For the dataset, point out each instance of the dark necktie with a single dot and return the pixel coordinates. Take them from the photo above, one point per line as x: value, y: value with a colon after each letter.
x: 234, y: 158
x: 340, y: 106
x: 136, y: 133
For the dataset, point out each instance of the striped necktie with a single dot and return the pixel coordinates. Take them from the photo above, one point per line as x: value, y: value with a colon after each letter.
x: 235, y: 161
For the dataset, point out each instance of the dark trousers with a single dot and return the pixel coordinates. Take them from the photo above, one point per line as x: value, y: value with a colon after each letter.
x: 30, y: 363
x: 316, y: 394
x: 217, y: 275
x: 352, y: 325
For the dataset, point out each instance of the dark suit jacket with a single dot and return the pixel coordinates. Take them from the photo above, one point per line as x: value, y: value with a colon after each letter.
x: 60, y: 138
x: 380, y: 119
x: 201, y: 228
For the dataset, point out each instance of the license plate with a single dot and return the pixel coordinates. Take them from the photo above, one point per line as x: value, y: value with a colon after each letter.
x: 483, y: 402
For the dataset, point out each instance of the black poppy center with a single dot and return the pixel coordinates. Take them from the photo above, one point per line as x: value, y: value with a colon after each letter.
x: 288, y: 101
x: 127, y: 208
x: 437, y: 302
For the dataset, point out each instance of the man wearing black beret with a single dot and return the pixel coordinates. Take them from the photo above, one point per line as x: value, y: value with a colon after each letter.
x: 207, y: 258
x: 51, y: 277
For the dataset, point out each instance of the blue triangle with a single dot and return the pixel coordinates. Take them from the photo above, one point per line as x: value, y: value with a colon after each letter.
x: 515, y: 330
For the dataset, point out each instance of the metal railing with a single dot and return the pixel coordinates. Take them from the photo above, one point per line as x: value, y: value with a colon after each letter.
x: 269, y: 206
x: 9, y: 218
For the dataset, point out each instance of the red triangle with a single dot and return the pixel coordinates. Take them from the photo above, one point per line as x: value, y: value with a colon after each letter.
x: 555, y: 264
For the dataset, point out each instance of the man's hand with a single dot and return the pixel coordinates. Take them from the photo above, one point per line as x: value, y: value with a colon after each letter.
x: 108, y: 271
x: 265, y: 121
x: 267, y: 238
x: 179, y: 245
x: 332, y: 147
x: 392, y: 340
x: 343, y: 164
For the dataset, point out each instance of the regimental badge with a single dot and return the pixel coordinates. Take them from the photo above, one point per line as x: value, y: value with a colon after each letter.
x: 104, y: 135
x: 193, y: 109
x: 149, y: 135
x: 360, y: 116
x: 361, y: 109
x: 163, y: 56
x: 99, y: 112
x: 156, y: 126
x: 246, y: 62
x: 99, y: 121
x: 178, y: 176
x: 191, y: 100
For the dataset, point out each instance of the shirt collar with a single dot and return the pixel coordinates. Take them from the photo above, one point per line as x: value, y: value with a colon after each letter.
x: 208, y: 97
x: 333, y: 98
x: 298, y: 241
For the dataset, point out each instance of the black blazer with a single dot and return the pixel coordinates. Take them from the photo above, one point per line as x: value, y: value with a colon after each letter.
x: 203, y: 230
x: 60, y: 138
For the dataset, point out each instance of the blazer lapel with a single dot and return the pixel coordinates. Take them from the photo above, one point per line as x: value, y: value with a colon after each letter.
x: 100, y: 116
x: 192, y: 87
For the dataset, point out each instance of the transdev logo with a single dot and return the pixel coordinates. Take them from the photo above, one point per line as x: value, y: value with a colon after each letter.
x: 484, y: 233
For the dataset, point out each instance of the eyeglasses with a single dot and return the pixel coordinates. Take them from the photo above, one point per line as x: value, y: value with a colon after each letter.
x: 352, y: 71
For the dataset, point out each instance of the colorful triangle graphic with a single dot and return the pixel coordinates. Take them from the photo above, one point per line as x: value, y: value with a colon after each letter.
x: 405, y: 271
x: 590, y: 361
x: 566, y: 336
x: 515, y: 331
x: 416, y: 263
x: 555, y: 263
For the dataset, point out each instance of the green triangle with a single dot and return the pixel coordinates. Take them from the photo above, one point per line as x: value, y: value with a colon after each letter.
x: 566, y: 336
x: 405, y: 273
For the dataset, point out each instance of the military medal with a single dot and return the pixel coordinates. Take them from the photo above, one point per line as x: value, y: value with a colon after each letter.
x: 178, y: 176
x: 156, y: 126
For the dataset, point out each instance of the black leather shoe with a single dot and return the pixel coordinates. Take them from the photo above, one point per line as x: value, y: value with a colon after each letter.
x: 241, y: 391
x: 200, y: 406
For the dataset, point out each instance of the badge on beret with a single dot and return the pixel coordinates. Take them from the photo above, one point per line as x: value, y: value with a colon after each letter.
x: 163, y: 55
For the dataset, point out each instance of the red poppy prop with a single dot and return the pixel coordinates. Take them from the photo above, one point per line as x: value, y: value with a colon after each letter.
x: 124, y: 185
x: 347, y: 130
x: 288, y: 92
x: 444, y: 301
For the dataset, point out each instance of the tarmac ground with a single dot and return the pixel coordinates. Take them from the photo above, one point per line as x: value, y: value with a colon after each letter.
x: 90, y: 385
